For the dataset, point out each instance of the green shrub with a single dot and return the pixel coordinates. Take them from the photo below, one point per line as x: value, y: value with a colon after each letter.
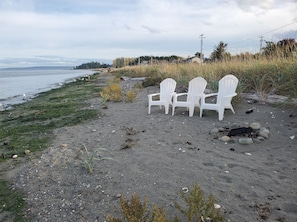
x: 198, y: 209
x: 131, y: 95
x: 112, y: 93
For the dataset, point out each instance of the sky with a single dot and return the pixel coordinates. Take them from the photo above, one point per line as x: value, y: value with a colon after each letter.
x: 72, y: 32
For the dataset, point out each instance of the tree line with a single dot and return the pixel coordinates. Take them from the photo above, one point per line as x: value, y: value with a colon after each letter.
x: 121, y: 62
x: 285, y: 48
x: 92, y: 65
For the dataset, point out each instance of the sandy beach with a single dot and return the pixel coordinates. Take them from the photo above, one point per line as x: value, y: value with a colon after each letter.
x: 157, y: 155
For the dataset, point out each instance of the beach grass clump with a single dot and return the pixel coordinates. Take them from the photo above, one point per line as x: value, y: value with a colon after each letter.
x: 152, y: 81
x: 91, y: 157
x: 112, y: 93
x: 263, y: 76
x: 130, y: 96
x: 134, y: 210
x: 198, y: 208
x: 266, y: 77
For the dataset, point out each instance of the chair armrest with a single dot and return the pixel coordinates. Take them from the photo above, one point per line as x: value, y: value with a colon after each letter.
x: 176, y: 95
x: 208, y: 95
x: 179, y: 94
x: 231, y: 95
x: 153, y: 94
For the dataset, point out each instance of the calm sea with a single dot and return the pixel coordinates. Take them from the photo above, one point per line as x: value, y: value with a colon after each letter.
x: 17, y: 85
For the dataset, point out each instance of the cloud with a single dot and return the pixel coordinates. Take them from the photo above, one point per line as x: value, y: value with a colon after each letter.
x: 115, y: 28
x: 47, y: 61
x: 150, y: 29
x: 247, y: 5
x: 260, y: 6
x: 17, y: 5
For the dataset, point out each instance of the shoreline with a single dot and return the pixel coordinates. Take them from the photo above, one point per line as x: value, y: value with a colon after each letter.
x: 35, y: 74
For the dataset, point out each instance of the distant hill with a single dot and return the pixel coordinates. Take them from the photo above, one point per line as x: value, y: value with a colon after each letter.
x: 92, y: 65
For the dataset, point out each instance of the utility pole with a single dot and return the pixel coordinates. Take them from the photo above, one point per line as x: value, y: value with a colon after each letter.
x: 261, y: 40
x: 201, y: 55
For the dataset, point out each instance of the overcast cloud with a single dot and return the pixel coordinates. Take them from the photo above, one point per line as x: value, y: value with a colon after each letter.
x: 69, y: 32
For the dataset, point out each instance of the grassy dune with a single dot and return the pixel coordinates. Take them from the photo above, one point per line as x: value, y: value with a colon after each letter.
x: 277, y: 76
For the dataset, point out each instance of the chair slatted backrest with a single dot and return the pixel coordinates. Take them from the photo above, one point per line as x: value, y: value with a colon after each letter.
x: 167, y: 88
x: 227, y: 86
x: 196, y: 89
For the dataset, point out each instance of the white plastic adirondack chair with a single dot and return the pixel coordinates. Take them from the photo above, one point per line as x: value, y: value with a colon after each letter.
x: 195, y: 91
x: 167, y: 88
x: 226, y: 91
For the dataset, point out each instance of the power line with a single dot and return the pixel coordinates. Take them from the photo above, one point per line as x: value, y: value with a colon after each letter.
x: 279, y: 28
x: 270, y: 31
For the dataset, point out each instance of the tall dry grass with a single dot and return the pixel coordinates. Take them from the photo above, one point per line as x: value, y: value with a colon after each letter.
x: 264, y: 76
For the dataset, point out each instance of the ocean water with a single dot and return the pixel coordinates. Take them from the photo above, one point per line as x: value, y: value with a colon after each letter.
x: 18, y: 85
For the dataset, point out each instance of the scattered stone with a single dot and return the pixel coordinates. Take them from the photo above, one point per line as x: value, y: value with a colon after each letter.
x: 225, y: 138
x: 185, y: 189
x: 14, y: 156
x: 215, y: 136
x: 221, y: 129
x: 256, y: 140
x: 118, y: 195
x: 234, y: 125
x: 292, y: 137
x: 249, y: 111
x: 261, y: 138
x: 64, y: 145
x: 233, y: 140
x: 245, y: 141
x: 27, y: 152
x: 264, y: 132
x: 217, y: 206
x: 213, y: 131
x: 255, y: 126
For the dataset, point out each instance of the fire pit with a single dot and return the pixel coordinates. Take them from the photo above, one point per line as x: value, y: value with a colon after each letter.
x: 254, y: 133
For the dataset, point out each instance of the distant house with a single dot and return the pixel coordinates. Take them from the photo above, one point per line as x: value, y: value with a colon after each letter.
x: 194, y: 59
